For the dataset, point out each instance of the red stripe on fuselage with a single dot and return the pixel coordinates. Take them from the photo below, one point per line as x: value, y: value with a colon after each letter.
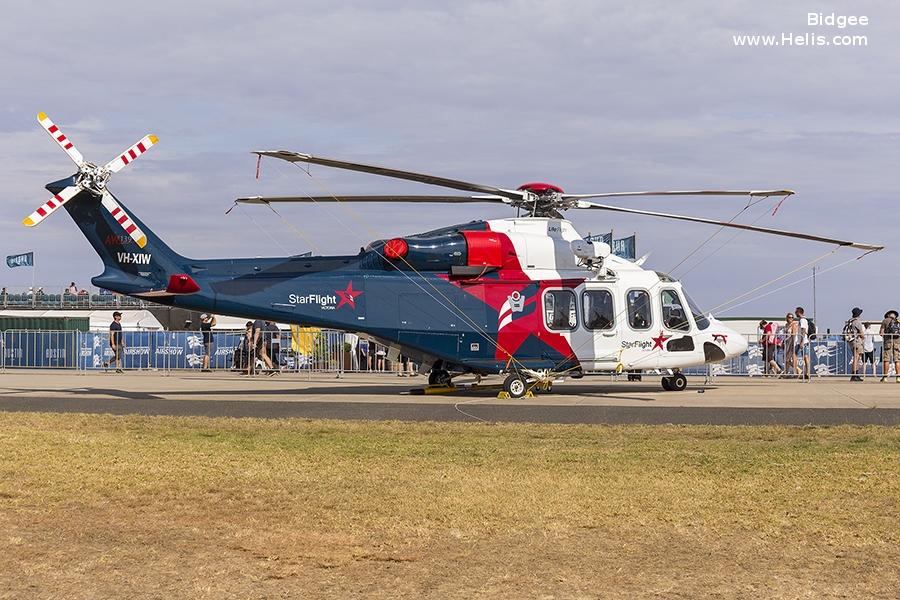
x: 495, y: 289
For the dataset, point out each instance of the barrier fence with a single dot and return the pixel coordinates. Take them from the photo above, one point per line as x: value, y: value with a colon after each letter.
x: 324, y: 351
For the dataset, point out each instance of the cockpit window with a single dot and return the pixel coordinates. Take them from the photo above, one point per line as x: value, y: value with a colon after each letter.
x: 560, y: 310
x: 673, y: 313
x: 699, y: 316
x: 639, y: 315
x: 597, y: 307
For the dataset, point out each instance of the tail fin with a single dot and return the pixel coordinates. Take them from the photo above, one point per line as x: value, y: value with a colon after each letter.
x: 129, y: 268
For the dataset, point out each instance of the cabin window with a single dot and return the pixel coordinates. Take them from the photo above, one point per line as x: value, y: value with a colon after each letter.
x: 559, y: 310
x: 699, y: 316
x: 639, y: 315
x: 597, y: 307
x: 673, y: 313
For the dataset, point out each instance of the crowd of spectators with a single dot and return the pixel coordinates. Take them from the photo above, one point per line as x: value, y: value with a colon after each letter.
x: 791, y: 340
x: 70, y: 296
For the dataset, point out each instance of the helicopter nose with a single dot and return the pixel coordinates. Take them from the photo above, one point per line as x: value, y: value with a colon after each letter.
x: 730, y: 341
x: 736, y: 344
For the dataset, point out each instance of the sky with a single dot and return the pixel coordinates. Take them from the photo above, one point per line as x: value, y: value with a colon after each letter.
x: 592, y: 96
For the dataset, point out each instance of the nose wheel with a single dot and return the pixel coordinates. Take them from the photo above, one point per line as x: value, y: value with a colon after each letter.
x: 675, y: 383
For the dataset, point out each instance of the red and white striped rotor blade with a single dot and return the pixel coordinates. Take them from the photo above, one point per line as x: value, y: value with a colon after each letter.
x: 60, y: 138
x: 50, y: 206
x: 110, y: 204
x: 118, y: 163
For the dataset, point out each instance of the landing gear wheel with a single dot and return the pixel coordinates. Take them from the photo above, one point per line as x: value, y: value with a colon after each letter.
x: 667, y: 383
x: 678, y: 382
x: 439, y: 377
x: 514, y: 385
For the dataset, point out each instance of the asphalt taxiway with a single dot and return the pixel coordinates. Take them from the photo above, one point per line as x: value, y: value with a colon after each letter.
x: 726, y: 401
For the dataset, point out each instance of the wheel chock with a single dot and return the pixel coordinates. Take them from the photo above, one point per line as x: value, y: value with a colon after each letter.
x: 504, y: 395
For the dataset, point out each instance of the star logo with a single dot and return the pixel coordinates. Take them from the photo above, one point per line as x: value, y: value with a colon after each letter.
x: 658, y: 341
x: 720, y: 337
x: 348, y: 296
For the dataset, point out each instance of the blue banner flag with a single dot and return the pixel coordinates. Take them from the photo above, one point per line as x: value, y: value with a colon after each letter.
x: 606, y: 238
x: 625, y: 247
x: 20, y: 260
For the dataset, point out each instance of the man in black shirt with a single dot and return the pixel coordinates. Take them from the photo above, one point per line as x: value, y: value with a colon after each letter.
x: 207, y: 322
x: 116, y: 343
x: 260, y: 338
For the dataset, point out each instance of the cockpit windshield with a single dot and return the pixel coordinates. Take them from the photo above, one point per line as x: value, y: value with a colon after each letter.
x: 699, y: 315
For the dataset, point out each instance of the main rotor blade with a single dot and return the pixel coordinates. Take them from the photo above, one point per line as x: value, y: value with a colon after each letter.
x: 110, y: 204
x: 409, y: 175
x: 144, y: 144
x: 791, y: 234
x: 51, y: 206
x: 754, y: 193
x: 436, y: 198
x: 60, y: 138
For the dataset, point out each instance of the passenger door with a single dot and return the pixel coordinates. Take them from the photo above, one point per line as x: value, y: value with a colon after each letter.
x: 598, y: 343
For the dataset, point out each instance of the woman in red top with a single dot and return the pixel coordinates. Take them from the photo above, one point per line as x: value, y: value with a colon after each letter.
x: 770, y: 346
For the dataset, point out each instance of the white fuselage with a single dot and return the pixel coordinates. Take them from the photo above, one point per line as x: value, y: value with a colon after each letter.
x: 620, y: 317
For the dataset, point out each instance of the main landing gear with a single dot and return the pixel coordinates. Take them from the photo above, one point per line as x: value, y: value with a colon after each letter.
x: 529, y: 383
x: 674, y: 383
x: 515, y: 385
x: 439, y: 377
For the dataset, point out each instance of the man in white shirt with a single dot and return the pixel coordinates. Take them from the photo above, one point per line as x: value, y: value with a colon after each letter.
x: 802, y: 340
x: 868, y: 353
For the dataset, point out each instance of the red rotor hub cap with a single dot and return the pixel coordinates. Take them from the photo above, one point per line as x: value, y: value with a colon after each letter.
x: 540, y: 188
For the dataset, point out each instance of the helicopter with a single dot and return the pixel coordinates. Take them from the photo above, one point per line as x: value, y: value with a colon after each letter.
x: 525, y: 297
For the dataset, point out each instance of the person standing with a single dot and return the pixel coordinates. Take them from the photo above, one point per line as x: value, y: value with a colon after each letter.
x: 116, y: 342
x: 801, y: 350
x: 207, y: 322
x: 856, y: 336
x: 245, y: 356
x: 273, y: 346
x: 770, y: 346
x: 790, y: 345
x: 868, y: 354
x: 890, y: 350
x: 260, y: 335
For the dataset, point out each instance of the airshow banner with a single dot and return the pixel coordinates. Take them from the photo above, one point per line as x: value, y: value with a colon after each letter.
x: 20, y: 260
x: 624, y: 247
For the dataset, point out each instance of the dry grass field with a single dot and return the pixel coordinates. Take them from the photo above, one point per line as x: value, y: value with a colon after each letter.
x: 154, y: 507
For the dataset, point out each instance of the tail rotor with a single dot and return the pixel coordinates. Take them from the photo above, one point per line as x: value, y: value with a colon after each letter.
x: 93, y: 179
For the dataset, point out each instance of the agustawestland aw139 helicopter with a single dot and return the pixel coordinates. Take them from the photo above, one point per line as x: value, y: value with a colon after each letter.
x: 524, y: 297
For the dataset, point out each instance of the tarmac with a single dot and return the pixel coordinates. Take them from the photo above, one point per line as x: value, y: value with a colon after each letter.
x: 724, y: 401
